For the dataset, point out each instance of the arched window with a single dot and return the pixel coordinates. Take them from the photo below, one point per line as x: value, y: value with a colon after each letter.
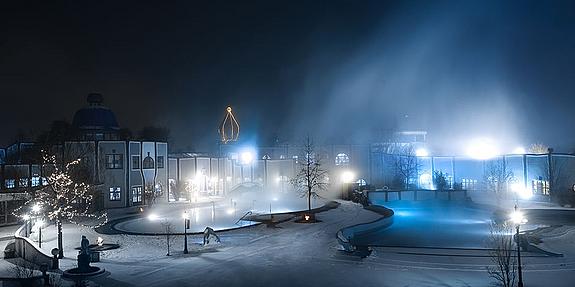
x: 341, y: 159
x: 148, y: 162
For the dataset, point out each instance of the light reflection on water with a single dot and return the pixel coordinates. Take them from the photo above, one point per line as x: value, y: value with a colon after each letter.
x: 431, y: 223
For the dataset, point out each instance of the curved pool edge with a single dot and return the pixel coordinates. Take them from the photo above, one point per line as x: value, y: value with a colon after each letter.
x: 110, y: 227
x: 346, y: 235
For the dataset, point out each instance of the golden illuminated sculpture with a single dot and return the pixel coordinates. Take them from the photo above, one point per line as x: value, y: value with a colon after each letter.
x: 230, y: 128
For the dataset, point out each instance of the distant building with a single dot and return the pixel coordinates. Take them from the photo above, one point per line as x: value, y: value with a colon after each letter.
x: 96, y: 121
x: 120, y: 171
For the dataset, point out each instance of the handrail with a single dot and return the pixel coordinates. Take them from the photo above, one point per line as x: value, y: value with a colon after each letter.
x: 242, y: 218
x: 29, y: 250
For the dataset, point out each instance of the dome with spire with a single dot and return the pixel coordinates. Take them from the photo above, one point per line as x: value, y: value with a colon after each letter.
x: 95, y: 116
x: 96, y: 120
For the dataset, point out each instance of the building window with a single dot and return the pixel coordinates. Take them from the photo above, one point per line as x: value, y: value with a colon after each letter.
x: 160, y: 161
x: 114, y: 161
x: 468, y: 184
x: 540, y: 186
x: 115, y: 193
x: 10, y: 183
x: 341, y: 159
x: 23, y: 182
x: 135, y: 162
x: 35, y: 181
x: 137, y: 194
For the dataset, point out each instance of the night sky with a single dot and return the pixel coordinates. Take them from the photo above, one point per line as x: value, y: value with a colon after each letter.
x: 342, y: 71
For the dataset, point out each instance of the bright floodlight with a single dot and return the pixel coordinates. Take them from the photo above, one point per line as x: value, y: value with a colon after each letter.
x: 421, y: 152
x: 36, y: 208
x: 247, y: 157
x: 482, y: 149
x: 517, y: 217
x: 519, y: 150
x: 26, y: 217
x: 153, y: 217
x: 347, y: 176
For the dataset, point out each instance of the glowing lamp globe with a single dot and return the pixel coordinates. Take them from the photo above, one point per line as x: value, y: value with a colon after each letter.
x: 347, y: 176
x: 421, y: 152
x: 247, y: 157
x: 517, y: 217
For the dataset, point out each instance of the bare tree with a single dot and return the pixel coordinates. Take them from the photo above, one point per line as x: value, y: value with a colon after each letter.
x: 538, y: 148
x: 311, y: 178
x: 440, y: 180
x: 560, y: 179
x: 497, y: 176
x: 168, y: 227
x: 405, y: 163
x: 501, y: 245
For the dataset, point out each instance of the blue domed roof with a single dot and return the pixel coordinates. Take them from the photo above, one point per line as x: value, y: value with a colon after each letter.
x: 95, y: 116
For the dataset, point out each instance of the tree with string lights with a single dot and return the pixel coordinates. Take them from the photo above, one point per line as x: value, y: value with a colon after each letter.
x: 64, y: 196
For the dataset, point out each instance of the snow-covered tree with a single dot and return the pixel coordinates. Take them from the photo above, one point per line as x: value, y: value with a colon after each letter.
x: 63, y: 196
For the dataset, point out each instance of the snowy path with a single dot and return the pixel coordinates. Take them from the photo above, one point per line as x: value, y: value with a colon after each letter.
x: 298, y: 255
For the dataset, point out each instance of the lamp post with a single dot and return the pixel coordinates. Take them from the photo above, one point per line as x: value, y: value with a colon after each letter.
x: 346, y: 177
x: 26, y: 218
x: 36, y: 208
x: 40, y: 223
x: 186, y: 226
x: 518, y: 219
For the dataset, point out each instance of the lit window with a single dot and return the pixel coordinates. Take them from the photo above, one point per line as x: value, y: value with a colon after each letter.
x: 10, y: 183
x: 35, y: 181
x: 341, y: 159
x: 23, y: 182
x: 114, y: 161
x: 135, y: 162
x: 115, y: 193
x: 540, y: 186
x: 468, y: 184
x: 137, y: 194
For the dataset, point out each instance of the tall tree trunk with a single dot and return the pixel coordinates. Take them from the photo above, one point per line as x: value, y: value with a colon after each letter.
x: 60, y: 247
x: 309, y: 200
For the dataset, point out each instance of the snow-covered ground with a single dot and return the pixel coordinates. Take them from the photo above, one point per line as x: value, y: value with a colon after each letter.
x: 303, y: 255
